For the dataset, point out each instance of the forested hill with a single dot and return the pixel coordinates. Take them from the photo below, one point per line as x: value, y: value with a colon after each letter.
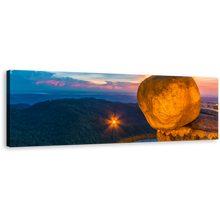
x: 20, y: 106
x: 75, y: 121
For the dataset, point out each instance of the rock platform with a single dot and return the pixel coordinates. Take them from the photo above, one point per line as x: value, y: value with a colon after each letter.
x: 204, y: 127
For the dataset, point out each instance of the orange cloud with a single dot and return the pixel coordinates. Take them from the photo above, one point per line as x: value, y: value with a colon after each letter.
x: 92, y: 86
x: 132, y: 86
x: 117, y: 87
x: 75, y: 85
x: 51, y: 82
x: 100, y: 86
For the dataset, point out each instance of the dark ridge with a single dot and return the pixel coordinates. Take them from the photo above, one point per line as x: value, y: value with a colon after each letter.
x: 20, y: 106
x: 75, y: 121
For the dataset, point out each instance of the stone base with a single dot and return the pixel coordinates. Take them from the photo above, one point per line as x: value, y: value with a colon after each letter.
x: 205, y: 127
x: 209, y: 111
x: 178, y: 135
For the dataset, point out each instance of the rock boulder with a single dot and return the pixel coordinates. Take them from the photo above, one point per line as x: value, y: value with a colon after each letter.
x: 169, y: 102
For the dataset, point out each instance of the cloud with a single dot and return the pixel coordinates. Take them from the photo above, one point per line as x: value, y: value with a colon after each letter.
x: 63, y: 81
x: 102, y: 76
x: 113, y: 85
x: 68, y: 83
x: 117, y: 87
x: 30, y: 76
x: 126, y: 85
x: 105, y: 86
x: 132, y: 86
x: 44, y: 81
x: 51, y: 82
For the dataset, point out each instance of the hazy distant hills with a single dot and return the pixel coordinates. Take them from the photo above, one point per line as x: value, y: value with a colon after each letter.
x: 209, y: 99
x: 74, y: 121
x: 33, y: 98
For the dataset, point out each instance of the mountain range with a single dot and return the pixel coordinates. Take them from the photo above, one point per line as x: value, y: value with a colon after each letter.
x: 20, y: 106
x: 74, y: 121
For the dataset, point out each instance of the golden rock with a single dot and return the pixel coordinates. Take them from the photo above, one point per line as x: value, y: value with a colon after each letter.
x: 169, y: 102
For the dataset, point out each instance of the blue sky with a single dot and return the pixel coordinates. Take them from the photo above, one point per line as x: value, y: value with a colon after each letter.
x: 42, y: 81
x: 81, y: 82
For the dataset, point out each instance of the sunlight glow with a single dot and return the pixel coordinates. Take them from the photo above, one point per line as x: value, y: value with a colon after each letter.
x: 113, y: 122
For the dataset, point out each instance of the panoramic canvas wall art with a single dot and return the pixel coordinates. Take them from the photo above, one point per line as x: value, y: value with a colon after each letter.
x: 72, y: 108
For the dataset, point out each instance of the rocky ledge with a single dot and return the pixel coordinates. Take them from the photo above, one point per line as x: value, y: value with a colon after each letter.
x: 204, y: 127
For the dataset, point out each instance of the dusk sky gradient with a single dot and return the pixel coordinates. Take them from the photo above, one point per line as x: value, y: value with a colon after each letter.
x: 42, y: 81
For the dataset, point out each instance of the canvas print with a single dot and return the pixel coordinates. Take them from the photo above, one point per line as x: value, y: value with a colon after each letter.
x: 73, y: 108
